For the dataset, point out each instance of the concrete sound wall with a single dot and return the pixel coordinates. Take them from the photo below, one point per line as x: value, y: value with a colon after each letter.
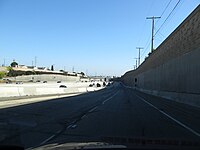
x: 173, y: 69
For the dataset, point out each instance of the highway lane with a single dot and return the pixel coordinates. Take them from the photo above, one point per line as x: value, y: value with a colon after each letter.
x: 127, y: 115
x: 113, y: 112
x: 30, y: 124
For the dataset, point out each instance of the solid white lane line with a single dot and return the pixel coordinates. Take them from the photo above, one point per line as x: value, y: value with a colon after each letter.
x: 180, y: 123
x: 175, y: 120
x: 109, y: 98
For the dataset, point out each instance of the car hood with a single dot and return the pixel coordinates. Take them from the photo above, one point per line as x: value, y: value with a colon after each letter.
x: 127, y: 143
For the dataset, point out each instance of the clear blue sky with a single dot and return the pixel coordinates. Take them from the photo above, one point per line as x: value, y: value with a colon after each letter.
x: 97, y: 36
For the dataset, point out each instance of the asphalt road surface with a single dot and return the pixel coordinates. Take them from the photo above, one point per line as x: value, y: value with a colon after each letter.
x: 114, y: 113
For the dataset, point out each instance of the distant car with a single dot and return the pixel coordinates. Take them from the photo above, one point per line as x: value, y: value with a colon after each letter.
x: 62, y: 86
x: 38, y: 81
x: 44, y: 81
x: 19, y: 82
x: 91, y: 85
x: 8, y: 81
x: 58, y: 81
x: 98, y: 85
x: 30, y: 81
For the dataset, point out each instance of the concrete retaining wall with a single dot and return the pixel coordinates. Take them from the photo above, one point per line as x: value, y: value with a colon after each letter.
x: 45, y: 77
x: 173, y: 69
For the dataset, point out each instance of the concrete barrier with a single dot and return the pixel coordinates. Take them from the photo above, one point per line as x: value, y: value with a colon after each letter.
x: 11, y: 91
x: 84, y: 89
x: 34, y: 89
x: 191, y: 99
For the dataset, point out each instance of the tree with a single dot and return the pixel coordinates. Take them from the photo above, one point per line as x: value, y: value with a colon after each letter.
x: 14, y: 64
x: 52, y: 68
x: 82, y: 73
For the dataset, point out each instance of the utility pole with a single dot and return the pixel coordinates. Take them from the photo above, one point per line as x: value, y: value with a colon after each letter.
x: 136, y: 63
x: 134, y: 67
x: 152, y: 36
x: 4, y: 62
x: 35, y: 61
x: 139, y: 48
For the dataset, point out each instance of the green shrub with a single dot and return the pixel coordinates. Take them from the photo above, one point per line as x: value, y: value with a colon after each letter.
x: 2, y: 74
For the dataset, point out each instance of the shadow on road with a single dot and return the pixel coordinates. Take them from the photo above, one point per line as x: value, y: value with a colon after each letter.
x: 28, y: 125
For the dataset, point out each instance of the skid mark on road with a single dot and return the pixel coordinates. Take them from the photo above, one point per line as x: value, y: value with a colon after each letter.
x: 170, y: 117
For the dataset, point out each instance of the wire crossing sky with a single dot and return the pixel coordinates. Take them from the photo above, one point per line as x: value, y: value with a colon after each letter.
x: 94, y: 36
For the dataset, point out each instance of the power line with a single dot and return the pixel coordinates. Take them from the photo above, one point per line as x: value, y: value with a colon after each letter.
x: 165, y: 8
x: 148, y: 42
x: 168, y: 16
x: 151, y: 6
x: 158, y: 38
x: 147, y: 46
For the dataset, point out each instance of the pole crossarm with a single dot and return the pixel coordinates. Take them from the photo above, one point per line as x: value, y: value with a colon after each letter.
x: 152, y: 36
